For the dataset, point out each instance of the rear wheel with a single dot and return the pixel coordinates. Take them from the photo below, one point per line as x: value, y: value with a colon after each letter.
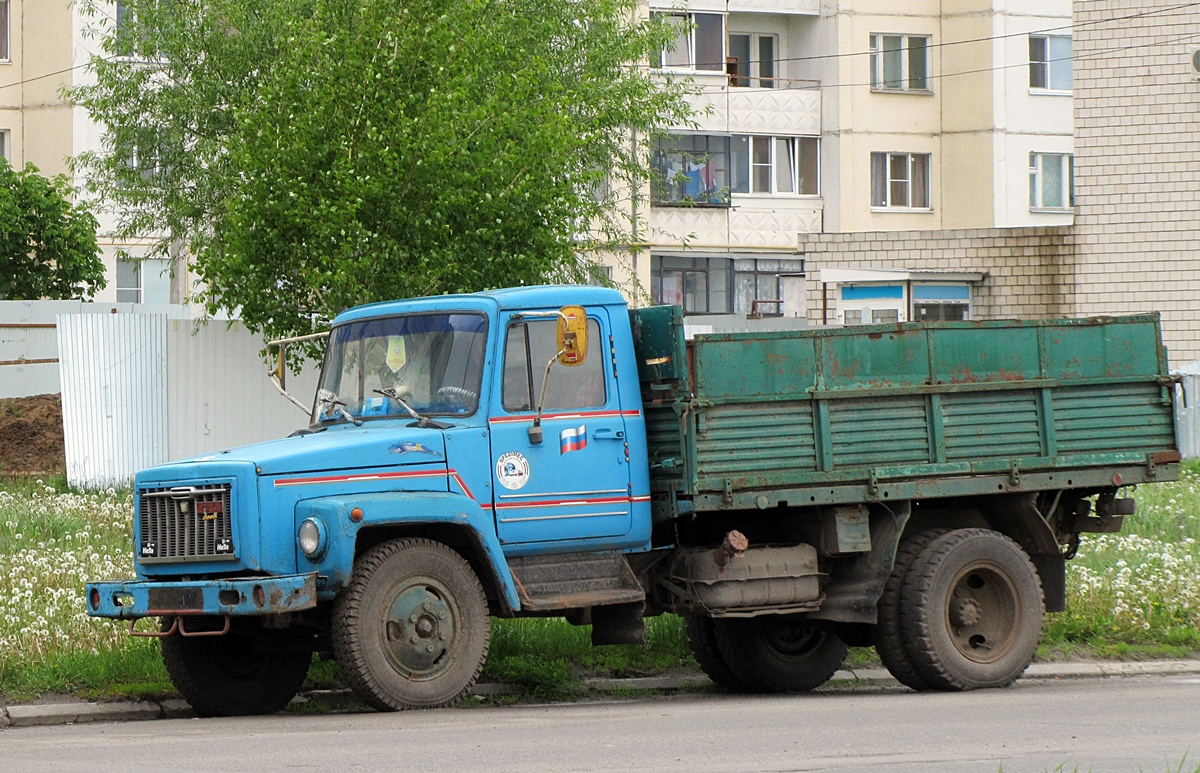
x: 779, y: 653
x: 702, y: 638
x: 243, y: 672
x: 411, y: 630
x: 972, y: 610
x: 889, y: 638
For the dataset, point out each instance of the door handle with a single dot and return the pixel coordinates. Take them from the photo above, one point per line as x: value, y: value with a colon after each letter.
x: 608, y: 434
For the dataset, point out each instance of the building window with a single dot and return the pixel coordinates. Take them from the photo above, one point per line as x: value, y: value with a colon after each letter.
x: 1050, y: 62
x: 751, y: 60
x: 1051, y: 181
x: 941, y: 303
x: 699, y: 43
x: 699, y: 285
x: 4, y: 50
x: 900, y: 180
x: 900, y: 62
x: 774, y: 164
x: 758, y: 286
x: 129, y: 281
x: 690, y: 170
x: 5, y: 152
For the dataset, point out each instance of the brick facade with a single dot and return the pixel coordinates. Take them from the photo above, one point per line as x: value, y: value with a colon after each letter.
x: 1029, y: 271
x: 1137, y: 165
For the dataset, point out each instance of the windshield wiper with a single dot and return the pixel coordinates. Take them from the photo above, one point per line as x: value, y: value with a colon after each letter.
x: 325, y: 397
x: 422, y: 421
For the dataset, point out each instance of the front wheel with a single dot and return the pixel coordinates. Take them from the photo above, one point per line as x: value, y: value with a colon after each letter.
x: 243, y: 672
x: 411, y: 630
x: 972, y: 610
x: 779, y: 653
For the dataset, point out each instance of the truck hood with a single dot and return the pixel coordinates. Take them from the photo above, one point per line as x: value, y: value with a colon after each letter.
x: 375, y: 444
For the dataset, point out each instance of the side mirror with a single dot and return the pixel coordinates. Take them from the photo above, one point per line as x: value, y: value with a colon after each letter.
x: 572, y: 335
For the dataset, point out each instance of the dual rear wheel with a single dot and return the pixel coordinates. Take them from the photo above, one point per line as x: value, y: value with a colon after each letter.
x: 962, y: 610
x: 770, y: 653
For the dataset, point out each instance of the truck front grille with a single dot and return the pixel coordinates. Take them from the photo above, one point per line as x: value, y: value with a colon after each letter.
x: 185, y: 523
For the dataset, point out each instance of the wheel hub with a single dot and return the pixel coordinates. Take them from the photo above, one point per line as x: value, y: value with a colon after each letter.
x: 418, y: 630
x: 983, y: 610
x: 966, y: 612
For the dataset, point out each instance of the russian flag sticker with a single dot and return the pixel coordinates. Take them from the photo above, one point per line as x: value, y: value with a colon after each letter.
x: 572, y: 439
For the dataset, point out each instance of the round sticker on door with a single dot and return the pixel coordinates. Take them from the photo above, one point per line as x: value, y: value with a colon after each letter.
x: 513, y: 470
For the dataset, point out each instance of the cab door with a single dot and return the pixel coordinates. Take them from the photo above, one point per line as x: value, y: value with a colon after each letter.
x: 574, y: 484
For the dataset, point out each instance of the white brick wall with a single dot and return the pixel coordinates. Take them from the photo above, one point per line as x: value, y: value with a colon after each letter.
x: 1137, y: 165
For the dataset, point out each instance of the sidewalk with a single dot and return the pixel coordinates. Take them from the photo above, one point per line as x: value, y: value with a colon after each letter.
x: 66, y: 713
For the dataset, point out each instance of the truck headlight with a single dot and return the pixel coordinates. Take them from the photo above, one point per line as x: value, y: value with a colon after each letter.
x: 311, y: 536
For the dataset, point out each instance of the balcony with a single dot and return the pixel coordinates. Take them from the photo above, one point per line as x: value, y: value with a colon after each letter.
x: 750, y: 222
x: 792, y: 108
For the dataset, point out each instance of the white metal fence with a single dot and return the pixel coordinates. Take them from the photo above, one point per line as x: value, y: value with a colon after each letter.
x: 142, y: 389
x: 1187, y: 410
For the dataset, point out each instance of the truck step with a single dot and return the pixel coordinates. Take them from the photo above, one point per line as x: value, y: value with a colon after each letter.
x: 575, y: 580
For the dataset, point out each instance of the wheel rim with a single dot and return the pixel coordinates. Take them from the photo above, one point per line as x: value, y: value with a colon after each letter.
x: 790, y: 639
x: 983, y: 612
x: 419, y: 627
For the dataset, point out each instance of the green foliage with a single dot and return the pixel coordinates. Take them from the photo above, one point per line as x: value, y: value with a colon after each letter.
x: 314, y: 156
x: 47, y: 244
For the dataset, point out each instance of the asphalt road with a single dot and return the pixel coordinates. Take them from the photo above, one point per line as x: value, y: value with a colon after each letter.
x: 1124, y: 724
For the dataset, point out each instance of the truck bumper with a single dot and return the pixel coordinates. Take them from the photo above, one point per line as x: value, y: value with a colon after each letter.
x: 129, y: 600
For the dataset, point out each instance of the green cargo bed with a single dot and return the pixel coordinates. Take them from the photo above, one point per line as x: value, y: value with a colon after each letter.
x: 908, y: 411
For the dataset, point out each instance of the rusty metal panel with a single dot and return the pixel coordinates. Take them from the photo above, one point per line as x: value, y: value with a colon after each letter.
x: 818, y: 412
x: 880, y: 431
x: 970, y: 354
x: 1112, y: 418
x: 735, y: 443
x: 986, y: 424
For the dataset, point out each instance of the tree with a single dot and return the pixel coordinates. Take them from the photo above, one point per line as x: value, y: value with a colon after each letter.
x: 47, y: 244
x: 317, y: 155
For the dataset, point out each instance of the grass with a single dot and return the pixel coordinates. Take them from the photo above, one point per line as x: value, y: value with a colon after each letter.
x: 1130, y: 596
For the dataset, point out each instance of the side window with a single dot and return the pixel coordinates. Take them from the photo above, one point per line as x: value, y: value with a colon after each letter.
x: 528, y: 346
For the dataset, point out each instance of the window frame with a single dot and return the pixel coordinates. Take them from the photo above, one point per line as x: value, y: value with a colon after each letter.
x: 878, y: 63
x: 688, y: 266
x: 5, y: 32
x: 665, y: 181
x: 534, y: 368
x: 797, y: 164
x: 691, y: 20
x: 1037, y: 169
x: 140, y: 287
x: 889, y: 182
x: 1050, y: 64
x: 752, y: 77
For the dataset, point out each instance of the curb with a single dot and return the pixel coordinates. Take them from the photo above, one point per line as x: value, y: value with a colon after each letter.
x: 43, y: 714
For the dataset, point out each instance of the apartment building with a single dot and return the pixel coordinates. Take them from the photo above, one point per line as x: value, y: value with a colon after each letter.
x: 819, y: 117
x: 43, y: 49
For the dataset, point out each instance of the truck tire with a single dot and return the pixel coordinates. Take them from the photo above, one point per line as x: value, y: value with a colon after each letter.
x: 411, y: 630
x: 702, y: 639
x: 234, y: 674
x: 779, y: 653
x: 972, y: 610
x: 889, y: 638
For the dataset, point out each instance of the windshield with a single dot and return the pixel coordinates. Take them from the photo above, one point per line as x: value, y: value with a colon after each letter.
x: 431, y: 362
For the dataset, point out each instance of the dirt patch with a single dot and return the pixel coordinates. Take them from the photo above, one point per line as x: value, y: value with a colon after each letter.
x: 31, y: 435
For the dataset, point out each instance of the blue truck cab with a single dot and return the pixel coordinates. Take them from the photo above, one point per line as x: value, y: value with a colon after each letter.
x: 546, y: 451
x: 420, y: 434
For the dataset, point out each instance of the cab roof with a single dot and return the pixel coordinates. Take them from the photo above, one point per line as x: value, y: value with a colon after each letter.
x: 506, y: 299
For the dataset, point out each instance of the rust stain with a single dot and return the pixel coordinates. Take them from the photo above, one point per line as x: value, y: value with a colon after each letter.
x: 276, y: 597
x: 963, y: 376
x: 1010, y: 375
